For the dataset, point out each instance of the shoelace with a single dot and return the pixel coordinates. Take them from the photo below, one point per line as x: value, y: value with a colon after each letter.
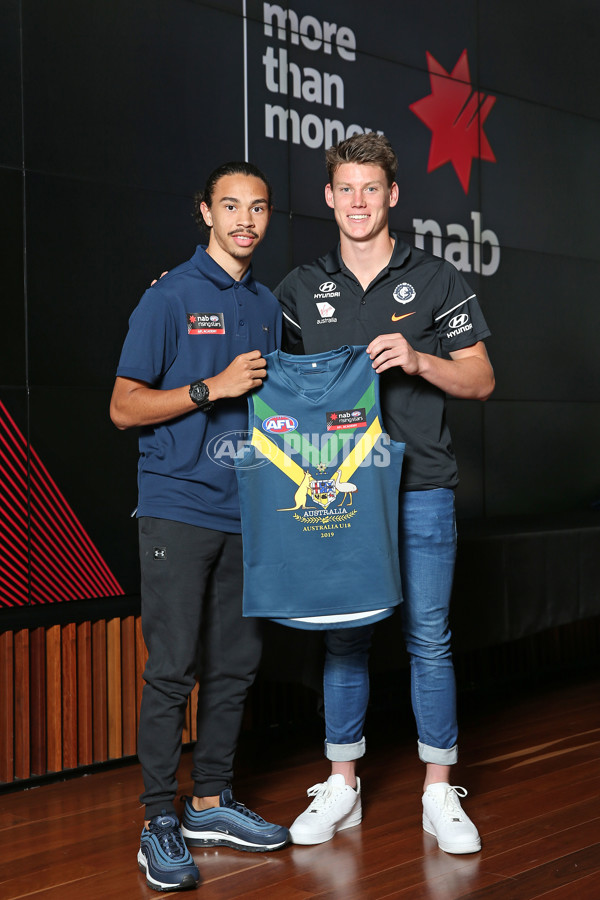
x: 452, y: 803
x: 249, y: 813
x: 169, y: 839
x: 322, y: 793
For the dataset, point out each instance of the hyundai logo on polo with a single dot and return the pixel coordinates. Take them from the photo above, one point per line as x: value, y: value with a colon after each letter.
x: 280, y: 424
x: 327, y: 290
x: 404, y: 293
x: 458, y: 321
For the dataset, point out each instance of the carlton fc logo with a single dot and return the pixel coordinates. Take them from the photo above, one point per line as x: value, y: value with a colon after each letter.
x: 404, y: 293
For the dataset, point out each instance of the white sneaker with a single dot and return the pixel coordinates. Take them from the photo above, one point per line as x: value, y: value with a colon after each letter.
x: 336, y: 806
x: 446, y: 820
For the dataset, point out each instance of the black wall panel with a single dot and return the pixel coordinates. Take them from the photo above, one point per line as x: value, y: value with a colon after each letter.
x: 543, y: 194
x: 541, y: 457
x: 11, y: 145
x: 545, y: 54
x: 93, y: 250
x: 12, y: 332
x: 127, y: 91
x: 466, y: 419
x: 545, y: 327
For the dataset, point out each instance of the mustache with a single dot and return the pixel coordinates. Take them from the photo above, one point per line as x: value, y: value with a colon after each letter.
x: 245, y: 231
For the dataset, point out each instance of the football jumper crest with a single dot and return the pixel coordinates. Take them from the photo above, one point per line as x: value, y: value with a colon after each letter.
x: 318, y: 488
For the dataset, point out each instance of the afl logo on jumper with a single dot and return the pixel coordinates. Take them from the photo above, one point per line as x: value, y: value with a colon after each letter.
x: 279, y: 424
x: 404, y: 293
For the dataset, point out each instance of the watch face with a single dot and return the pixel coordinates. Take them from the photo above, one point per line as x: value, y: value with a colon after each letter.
x: 199, y: 392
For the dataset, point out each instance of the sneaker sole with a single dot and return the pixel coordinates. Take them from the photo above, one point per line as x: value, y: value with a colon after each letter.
x: 322, y: 837
x: 473, y: 847
x: 188, y: 882
x: 216, y: 839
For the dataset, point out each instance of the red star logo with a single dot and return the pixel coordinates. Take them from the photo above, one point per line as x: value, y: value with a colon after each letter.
x: 455, y: 113
x: 333, y: 417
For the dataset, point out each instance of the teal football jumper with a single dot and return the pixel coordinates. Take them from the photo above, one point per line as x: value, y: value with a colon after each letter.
x: 318, y: 487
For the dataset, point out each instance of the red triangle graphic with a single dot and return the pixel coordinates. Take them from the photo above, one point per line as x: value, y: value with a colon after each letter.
x: 48, y: 556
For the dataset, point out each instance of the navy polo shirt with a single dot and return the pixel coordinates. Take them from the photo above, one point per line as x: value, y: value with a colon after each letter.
x: 191, y: 324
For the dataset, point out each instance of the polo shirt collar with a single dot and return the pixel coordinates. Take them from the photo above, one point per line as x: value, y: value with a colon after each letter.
x: 219, y: 277
x: 334, y: 263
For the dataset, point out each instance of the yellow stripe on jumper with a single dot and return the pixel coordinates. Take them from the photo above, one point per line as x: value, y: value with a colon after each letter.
x: 280, y: 459
x: 360, y: 450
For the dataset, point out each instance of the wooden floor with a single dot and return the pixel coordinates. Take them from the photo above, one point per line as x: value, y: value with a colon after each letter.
x: 530, y: 762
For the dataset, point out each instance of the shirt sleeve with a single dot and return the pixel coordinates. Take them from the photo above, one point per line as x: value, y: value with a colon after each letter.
x: 459, y: 320
x: 291, y: 339
x: 151, y: 343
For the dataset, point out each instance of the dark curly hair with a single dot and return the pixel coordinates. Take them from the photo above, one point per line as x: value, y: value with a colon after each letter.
x: 229, y: 168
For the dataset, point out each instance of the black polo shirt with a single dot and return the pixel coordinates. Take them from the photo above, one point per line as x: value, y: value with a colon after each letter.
x: 423, y: 297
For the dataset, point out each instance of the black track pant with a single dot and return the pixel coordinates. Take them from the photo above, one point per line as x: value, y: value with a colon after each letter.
x: 194, y: 630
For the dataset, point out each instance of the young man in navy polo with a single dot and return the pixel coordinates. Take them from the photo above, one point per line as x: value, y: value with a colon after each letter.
x: 195, y: 347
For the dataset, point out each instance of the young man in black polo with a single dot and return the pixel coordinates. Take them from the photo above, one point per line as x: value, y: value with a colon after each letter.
x: 424, y: 333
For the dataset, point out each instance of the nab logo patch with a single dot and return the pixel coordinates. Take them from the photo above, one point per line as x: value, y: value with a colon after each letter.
x: 404, y: 293
x: 279, y: 424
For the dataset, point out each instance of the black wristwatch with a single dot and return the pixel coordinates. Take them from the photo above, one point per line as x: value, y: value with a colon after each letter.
x: 199, y: 394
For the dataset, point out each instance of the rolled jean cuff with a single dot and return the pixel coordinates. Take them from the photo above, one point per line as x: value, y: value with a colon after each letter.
x: 345, y: 752
x: 436, y: 756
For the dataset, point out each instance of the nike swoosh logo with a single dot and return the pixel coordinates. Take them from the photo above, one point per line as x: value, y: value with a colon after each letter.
x: 396, y: 318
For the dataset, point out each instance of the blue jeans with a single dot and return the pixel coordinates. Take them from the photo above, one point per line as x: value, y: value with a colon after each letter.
x: 427, y: 546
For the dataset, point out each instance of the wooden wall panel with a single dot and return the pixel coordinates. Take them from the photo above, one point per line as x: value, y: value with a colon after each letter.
x: 69, y: 695
x: 37, y: 700
x: 6, y: 707
x: 114, y: 690
x: 53, y: 700
x: 128, y: 687
x: 141, y: 655
x: 193, y: 707
x: 22, y: 741
x: 100, y: 710
x: 85, y: 754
